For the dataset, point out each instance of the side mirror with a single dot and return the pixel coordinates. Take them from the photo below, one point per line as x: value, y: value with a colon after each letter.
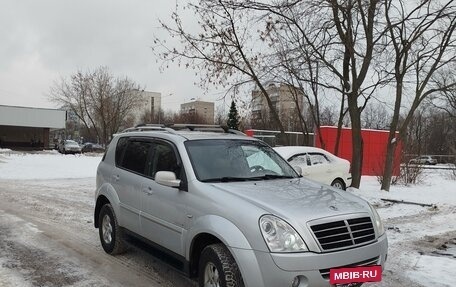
x: 167, y: 178
x: 298, y: 169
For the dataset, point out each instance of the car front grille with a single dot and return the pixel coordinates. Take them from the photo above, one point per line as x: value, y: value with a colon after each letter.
x: 344, y: 234
x: 369, y: 262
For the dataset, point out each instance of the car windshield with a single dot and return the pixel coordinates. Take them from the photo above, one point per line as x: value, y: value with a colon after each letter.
x: 71, y: 142
x: 236, y: 160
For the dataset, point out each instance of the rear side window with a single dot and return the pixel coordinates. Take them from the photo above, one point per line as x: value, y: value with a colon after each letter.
x: 136, y: 156
x: 300, y: 159
x: 318, y: 158
x: 120, y: 149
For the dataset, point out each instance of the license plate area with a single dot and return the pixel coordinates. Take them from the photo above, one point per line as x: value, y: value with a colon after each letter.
x: 350, y: 277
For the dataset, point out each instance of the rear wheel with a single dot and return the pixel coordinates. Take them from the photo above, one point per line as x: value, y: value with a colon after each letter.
x: 111, y: 235
x: 337, y: 183
x: 217, y: 268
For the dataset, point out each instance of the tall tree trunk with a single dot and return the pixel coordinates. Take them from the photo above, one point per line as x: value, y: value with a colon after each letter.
x: 339, y: 126
x: 320, y: 136
x: 357, y: 140
x: 389, y: 162
x: 392, y: 144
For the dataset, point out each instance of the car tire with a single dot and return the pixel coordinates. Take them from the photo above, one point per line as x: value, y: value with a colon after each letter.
x: 338, y: 183
x: 111, y: 234
x: 217, y: 267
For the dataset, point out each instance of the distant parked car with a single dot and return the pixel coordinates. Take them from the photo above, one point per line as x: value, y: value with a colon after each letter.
x: 92, y: 147
x: 69, y: 146
x: 318, y: 164
x: 424, y: 159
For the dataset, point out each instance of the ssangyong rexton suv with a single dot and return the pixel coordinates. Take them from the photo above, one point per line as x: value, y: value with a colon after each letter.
x: 231, y: 209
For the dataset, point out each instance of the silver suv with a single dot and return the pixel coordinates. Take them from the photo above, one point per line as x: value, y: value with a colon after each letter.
x: 230, y: 209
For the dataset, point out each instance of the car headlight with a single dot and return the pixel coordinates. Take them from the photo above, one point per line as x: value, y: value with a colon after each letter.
x: 377, y: 221
x: 280, y: 236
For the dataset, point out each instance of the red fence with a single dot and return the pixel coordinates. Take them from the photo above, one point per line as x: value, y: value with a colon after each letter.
x: 374, y: 148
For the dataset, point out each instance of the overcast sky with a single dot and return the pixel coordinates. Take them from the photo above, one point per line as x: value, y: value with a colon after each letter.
x: 41, y: 41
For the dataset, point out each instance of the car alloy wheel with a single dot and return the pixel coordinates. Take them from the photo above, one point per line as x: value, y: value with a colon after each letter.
x: 111, y: 234
x: 107, y: 229
x: 211, y: 276
x: 337, y: 183
x: 217, y: 268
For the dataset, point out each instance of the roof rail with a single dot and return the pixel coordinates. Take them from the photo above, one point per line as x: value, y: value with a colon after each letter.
x: 148, y: 127
x: 204, y: 128
x: 172, y: 128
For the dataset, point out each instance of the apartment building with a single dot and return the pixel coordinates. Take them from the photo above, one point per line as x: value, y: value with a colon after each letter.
x: 285, y: 99
x: 200, y: 111
x: 149, y: 107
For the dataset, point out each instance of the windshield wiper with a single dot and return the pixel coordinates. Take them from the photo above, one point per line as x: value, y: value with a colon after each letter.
x: 274, y: 176
x: 231, y: 178
x: 227, y: 179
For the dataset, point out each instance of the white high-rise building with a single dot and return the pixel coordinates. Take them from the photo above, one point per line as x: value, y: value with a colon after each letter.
x: 150, y: 104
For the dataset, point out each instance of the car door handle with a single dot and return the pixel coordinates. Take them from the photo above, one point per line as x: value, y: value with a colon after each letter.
x: 116, y: 177
x: 148, y: 191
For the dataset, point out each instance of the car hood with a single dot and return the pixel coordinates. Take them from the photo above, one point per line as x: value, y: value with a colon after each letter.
x: 72, y: 145
x: 296, y: 199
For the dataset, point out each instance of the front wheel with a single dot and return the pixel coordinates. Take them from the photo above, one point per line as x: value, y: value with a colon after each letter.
x: 111, y: 235
x: 337, y: 183
x: 217, y: 268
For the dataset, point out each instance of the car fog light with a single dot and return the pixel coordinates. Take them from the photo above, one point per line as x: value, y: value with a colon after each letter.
x: 296, y: 282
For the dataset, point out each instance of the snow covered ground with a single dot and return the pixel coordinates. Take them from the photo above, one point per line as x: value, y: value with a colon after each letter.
x: 422, y: 240
x: 47, y: 236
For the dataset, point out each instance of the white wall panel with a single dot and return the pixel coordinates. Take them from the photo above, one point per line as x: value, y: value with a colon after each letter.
x: 32, y: 117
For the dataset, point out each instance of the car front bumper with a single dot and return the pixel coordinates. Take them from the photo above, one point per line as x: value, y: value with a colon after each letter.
x: 279, y: 269
x: 72, y: 149
x: 348, y: 180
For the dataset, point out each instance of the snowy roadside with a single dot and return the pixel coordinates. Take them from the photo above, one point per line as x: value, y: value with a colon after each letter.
x: 47, y: 165
x: 47, y: 237
x: 422, y: 240
x: 47, y: 206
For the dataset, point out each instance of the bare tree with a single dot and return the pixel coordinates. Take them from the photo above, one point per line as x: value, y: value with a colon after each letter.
x: 375, y: 116
x: 305, y: 93
x: 343, y: 37
x: 446, y: 100
x: 220, y: 116
x: 441, y: 133
x: 223, y: 51
x: 190, y: 118
x: 149, y: 117
x: 423, y: 45
x: 328, y: 116
x: 102, y: 103
x: 440, y: 139
x: 326, y: 47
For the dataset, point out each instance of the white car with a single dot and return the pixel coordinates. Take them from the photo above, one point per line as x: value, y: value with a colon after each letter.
x: 69, y: 146
x: 425, y: 159
x: 318, y: 165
